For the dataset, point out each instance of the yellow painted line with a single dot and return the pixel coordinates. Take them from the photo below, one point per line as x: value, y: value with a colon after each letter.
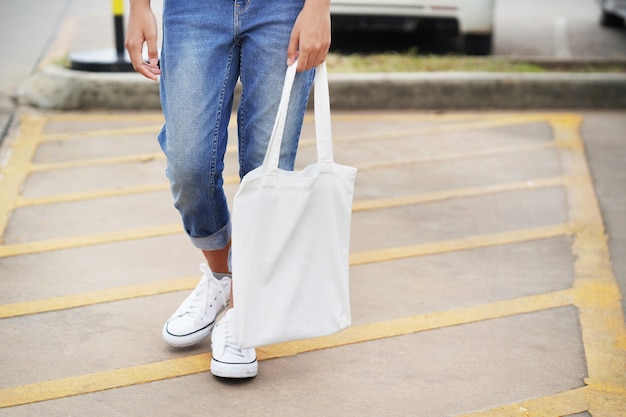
x: 147, y: 157
x: 105, y: 193
x: 472, y: 125
x: 383, y: 203
x: 155, y: 117
x: 456, y: 156
x: 99, y: 381
x: 101, y: 133
x: 383, y: 255
x: 342, y: 116
x: 96, y: 297
x: 411, y: 116
x: 90, y: 195
x: 419, y: 323
x: 362, y: 205
x: 87, y: 240
x: 439, y: 128
x: 597, y: 294
x: 348, y: 116
x: 379, y: 255
x: 14, y: 172
x: 64, y: 243
x: 561, y: 404
x: 234, y: 179
x: 473, y: 242
x: 607, y: 388
x: 80, y: 163
x: 37, y: 167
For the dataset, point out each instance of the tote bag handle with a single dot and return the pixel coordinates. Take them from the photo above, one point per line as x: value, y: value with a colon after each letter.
x: 322, y: 118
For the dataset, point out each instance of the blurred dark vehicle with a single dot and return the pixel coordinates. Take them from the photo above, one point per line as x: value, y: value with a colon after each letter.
x: 472, y: 20
x: 613, y: 12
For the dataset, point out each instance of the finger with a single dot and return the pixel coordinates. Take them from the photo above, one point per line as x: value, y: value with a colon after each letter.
x: 308, y: 61
x: 147, y: 71
x: 302, y: 58
x: 292, y: 49
x: 153, y: 54
x: 135, y: 56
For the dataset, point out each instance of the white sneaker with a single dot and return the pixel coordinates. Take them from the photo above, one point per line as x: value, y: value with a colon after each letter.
x: 195, y: 318
x: 229, y: 360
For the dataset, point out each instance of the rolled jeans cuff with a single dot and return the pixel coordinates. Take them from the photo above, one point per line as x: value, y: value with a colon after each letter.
x: 216, y: 241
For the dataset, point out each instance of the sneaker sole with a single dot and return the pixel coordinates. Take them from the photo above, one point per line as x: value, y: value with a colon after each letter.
x: 234, y: 370
x: 188, y: 339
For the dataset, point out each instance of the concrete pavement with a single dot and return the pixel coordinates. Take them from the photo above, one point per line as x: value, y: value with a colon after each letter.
x: 480, y: 277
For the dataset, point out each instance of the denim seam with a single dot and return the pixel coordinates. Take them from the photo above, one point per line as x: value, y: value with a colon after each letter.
x: 241, y: 122
x: 216, y: 135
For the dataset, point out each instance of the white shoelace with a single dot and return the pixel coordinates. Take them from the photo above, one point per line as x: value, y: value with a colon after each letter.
x: 195, y: 303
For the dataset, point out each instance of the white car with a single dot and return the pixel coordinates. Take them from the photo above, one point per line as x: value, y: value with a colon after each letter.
x: 471, y: 19
x: 613, y: 12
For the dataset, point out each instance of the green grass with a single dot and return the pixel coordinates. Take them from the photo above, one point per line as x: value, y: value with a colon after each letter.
x: 412, y: 62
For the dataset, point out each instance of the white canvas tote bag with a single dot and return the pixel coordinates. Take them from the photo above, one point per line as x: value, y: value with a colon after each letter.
x: 291, y: 233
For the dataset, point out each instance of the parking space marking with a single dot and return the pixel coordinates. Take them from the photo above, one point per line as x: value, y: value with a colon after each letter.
x: 52, y: 166
x: 468, y: 243
x: 234, y: 179
x: 15, y: 171
x: 26, y: 248
x: 102, y: 133
x: 34, y: 138
x: 461, y: 155
x: 383, y: 203
x: 96, y: 297
x: 595, y: 293
x: 88, y: 240
x: 90, y: 195
x: 358, y: 258
x: 562, y: 404
x: 123, y: 377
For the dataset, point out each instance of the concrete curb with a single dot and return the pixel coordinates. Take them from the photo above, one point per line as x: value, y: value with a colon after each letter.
x: 55, y: 87
x: 58, y: 88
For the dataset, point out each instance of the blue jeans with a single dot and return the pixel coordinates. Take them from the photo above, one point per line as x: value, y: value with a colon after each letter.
x: 207, y: 46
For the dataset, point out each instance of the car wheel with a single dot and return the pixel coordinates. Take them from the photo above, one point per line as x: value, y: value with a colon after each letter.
x: 478, y: 44
x: 611, y: 20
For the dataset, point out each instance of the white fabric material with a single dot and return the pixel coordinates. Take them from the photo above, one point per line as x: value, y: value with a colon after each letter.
x: 291, y: 233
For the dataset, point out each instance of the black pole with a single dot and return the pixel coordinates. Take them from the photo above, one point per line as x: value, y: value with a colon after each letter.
x: 106, y: 60
x: 118, y: 21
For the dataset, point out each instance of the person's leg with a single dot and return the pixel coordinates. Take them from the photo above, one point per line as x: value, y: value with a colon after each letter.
x: 265, y: 38
x: 200, y: 65
x: 218, y: 259
x: 263, y: 28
